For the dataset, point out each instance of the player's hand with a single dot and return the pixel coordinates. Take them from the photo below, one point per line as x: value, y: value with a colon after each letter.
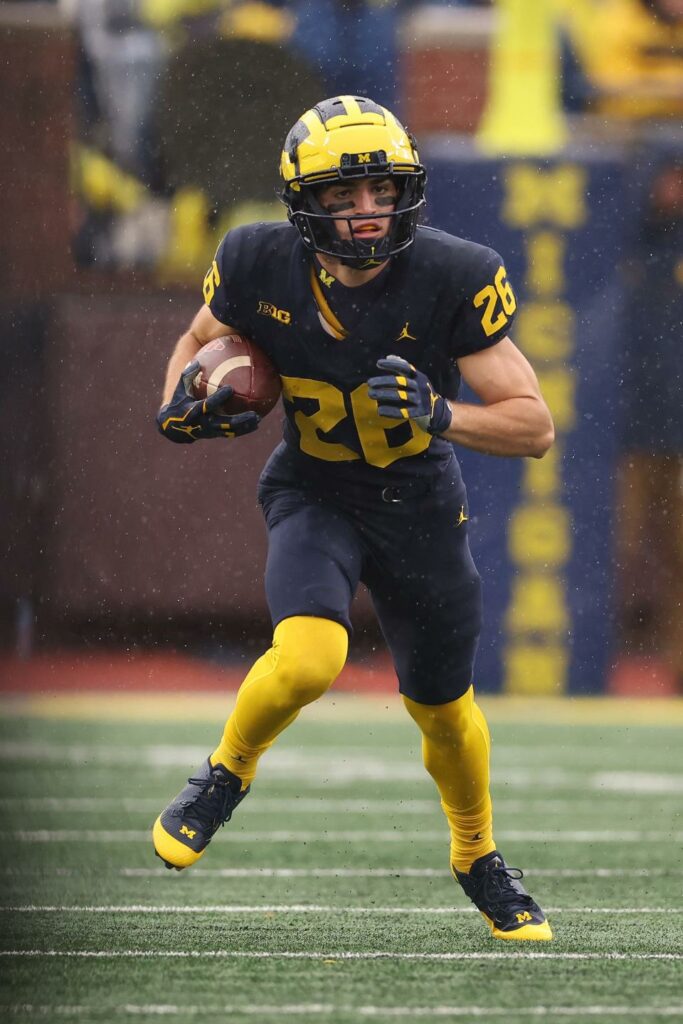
x: 186, y: 419
x: 406, y: 393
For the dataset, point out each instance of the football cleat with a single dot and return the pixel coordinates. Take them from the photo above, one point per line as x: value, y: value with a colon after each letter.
x: 183, y: 831
x: 505, y: 905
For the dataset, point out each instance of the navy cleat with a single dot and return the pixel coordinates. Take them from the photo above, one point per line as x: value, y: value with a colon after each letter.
x: 183, y: 831
x: 495, y: 890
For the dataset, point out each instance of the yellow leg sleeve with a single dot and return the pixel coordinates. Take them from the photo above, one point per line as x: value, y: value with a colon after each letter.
x: 307, y: 655
x: 455, y: 748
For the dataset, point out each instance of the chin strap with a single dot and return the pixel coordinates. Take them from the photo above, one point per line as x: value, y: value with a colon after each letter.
x: 369, y: 264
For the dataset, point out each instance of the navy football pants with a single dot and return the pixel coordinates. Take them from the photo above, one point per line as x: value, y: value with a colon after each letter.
x: 414, y: 557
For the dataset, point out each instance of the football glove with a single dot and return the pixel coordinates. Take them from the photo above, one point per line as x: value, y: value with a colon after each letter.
x: 186, y: 419
x: 406, y: 393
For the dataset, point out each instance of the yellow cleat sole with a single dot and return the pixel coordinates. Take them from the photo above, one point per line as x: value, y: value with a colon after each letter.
x: 525, y: 933
x: 174, y: 853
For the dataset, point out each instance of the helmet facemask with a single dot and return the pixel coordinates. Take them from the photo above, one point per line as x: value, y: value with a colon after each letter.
x: 318, y: 227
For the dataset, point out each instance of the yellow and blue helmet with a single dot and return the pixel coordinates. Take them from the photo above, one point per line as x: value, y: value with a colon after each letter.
x: 350, y: 137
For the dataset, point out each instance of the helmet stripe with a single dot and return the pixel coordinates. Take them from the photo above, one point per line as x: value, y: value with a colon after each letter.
x: 352, y: 106
x: 312, y: 121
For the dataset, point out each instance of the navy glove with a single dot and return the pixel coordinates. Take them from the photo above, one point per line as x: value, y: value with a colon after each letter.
x: 407, y: 394
x: 186, y: 419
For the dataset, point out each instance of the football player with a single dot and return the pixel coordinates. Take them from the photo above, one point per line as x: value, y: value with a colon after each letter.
x: 372, y: 321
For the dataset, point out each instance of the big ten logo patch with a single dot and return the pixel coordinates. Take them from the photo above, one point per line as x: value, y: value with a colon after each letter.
x: 283, y: 316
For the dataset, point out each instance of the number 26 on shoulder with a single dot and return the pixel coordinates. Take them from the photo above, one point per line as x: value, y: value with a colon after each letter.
x: 493, y: 297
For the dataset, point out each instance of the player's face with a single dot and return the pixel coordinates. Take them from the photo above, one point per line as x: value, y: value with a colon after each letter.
x: 363, y: 198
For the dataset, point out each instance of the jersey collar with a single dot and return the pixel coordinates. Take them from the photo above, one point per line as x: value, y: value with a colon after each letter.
x: 330, y: 322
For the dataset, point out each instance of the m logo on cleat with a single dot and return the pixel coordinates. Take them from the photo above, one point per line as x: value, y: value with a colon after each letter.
x: 525, y: 916
x: 191, y: 833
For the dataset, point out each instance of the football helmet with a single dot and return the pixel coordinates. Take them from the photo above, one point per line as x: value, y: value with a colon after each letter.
x: 350, y: 137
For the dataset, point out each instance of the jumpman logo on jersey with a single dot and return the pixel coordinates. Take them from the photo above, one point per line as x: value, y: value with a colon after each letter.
x: 462, y: 518
x: 405, y: 334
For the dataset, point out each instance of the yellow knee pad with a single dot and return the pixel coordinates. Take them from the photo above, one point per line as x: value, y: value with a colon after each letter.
x: 308, y: 655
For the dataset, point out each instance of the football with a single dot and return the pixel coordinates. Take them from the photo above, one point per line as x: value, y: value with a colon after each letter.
x: 236, y: 361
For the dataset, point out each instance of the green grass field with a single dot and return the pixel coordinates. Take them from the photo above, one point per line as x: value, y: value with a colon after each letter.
x: 328, y: 897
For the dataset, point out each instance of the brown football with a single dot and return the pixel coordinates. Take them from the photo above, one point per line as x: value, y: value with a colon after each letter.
x: 236, y: 361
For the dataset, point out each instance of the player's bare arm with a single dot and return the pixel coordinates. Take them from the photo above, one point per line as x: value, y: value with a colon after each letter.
x: 203, y: 329
x: 514, y: 419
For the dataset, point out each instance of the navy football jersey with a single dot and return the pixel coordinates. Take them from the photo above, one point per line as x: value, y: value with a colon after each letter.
x: 443, y: 298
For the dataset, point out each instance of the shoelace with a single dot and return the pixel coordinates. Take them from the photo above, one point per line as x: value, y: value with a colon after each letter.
x: 496, y: 887
x: 215, y: 804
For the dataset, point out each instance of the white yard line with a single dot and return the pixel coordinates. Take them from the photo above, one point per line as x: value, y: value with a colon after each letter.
x: 187, y: 754
x: 230, y: 954
x: 322, y: 805
x: 356, y: 836
x: 344, y: 872
x: 335, y: 766
x: 346, y: 764
x: 286, y: 805
x: 399, y: 872
x: 316, y: 767
x: 344, y: 777
x: 325, y: 1009
x: 302, y: 908
x: 638, y: 782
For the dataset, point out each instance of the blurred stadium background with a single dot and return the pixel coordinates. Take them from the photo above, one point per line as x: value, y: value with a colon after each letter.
x: 136, y: 131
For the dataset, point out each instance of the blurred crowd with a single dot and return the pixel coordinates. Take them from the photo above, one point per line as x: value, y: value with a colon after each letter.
x: 160, y: 119
x: 183, y: 98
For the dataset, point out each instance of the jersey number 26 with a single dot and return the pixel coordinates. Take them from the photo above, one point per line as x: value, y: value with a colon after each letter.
x: 373, y: 430
x: 500, y: 291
